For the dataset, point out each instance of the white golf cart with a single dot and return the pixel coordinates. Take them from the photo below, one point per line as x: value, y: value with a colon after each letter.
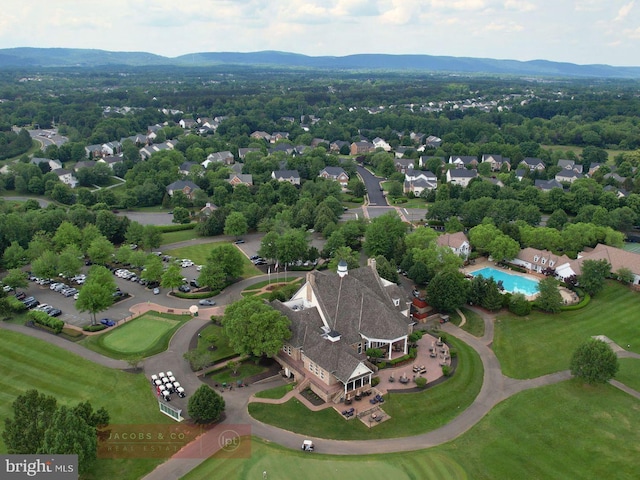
x: 307, y: 446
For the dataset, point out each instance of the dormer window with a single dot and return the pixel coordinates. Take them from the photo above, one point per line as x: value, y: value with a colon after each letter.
x: 536, y: 258
x: 396, y: 302
x: 544, y: 260
x: 551, y: 263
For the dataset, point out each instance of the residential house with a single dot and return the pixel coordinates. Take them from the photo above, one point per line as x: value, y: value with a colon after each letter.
x: 66, y: 176
x: 567, y: 176
x: 188, y: 123
x: 138, y: 140
x: 84, y: 164
x: 53, y: 164
x: 461, y: 176
x: 236, y: 179
x: 616, y: 257
x: 185, y: 167
x: 593, y: 168
x: 283, y: 147
x: 381, y: 143
x: 185, y: 186
x: 358, y: 148
x: 316, y: 142
x: 226, y: 158
x: 242, y: 152
x: 208, y: 209
x: 260, y: 135
x: 152, y: 131
x: 496, y: 161
x: 335, y: 318
x: 112, y: 160
x: 111, y: 148
x: 536, y: 260
x: 400, y: 151
x: 146, y: 152
x: 533, y: 164
x: 404, y: 164
x: 521, y: 173
x: 613, y: 175
x: 275, y: 136
x: 457, y: 242
x: 433, y: 142
x: 548, y: 185
x: 291, y: 176
x: 335, y: 173
x: 461, y: 161
x: 417, y: 181
x: 93, y: 151
x: 570, y: 165
x: 496, y: 181
x: 337, y: 145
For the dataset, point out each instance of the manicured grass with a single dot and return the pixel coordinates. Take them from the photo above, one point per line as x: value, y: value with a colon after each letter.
x: 540, y: 343
x: 221, y: 341
x: 138, y: 335
x: 565, y: 430
x: 474, y: 324
x: 179, y: 236
x: 578, y: 150
x: 146, y: 335
x: 30, y: 363
x: 276, y: 392
x: 281, y: 463
x: 245, y: 370
x: 197, y: 253
x: 629, y: 373
x: 411, y: 413
x: 412, y: 203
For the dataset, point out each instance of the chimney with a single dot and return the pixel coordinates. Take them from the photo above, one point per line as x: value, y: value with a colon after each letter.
x: 343, y: 269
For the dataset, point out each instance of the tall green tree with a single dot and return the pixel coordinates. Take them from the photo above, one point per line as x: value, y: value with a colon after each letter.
x: 594, y: 273
x: 32, y: 415
x: 255, y: 328
x: 153, y: 269
x: 70, y: 261
x: 205, y: 405
x: 96, y: 295
x: 212, y: 275
x: 16, y: 278
x: 236, y: 225
x: 45, y: 266
x: 69, y: 434
x: 594, y: 361
x: 14, y: 256
x: 549, y: 298
x: 172, y: 277
x: 382, y: 235
x: 229, y: 258
x: 100, y: 250
x: 447, y: 291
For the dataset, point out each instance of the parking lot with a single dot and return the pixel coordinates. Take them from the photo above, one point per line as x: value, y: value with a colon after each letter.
x: 119, y: 310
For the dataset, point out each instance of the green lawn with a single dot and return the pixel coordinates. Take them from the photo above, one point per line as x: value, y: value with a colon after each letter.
x: 540, y: 343
x: 411, y: 413
x: 565, y: 430
x: 246, y: 369
x: 221, y: 341
x: 179, y: 236
x: 275, y: 392
x: 629, y: 373
x: 474, y: 324
x: 578, y: 150
x: 146, y: 335
x: 199, y: 254
x: 30, y: 363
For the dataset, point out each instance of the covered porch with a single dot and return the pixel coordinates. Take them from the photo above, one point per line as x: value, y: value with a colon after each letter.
x: 396, y: 347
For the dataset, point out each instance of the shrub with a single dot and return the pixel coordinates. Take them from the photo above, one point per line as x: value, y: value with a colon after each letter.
x: 453, y: 353
x: 45, y: 320
x: 413, y: 352
x: 446, y: 370
x: 581, y: 304
x: 519, y: 305
x: 421, y: 382
x: 176, y: 228
x: 375, y: 381
x: 415, y: 336
x: 94, y: 328
x: 15, y: 305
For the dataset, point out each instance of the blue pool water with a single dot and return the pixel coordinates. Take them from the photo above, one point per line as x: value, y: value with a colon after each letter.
x: 511, y: 283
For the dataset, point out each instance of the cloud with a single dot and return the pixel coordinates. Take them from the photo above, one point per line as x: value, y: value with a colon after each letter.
x: 353, y: 8
x: 464, y: 5
x: 624, y: 11
x: 504, y: 27
x: 402, y: 12
x: 588, y: 5
x: 519, y: 5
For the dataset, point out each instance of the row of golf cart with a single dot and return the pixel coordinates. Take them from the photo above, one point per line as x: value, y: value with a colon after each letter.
x: 166, y: 385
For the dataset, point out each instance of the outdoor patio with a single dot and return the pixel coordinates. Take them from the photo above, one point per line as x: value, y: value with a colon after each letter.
x: 402, y: 377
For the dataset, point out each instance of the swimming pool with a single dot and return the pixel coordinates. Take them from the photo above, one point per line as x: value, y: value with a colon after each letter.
x: 511, y: 283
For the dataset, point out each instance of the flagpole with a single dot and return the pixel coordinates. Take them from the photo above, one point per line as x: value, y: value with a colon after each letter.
x: 269, y: 273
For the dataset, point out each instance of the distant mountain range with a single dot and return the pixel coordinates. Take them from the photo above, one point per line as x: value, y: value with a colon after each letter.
x: 73, y: 57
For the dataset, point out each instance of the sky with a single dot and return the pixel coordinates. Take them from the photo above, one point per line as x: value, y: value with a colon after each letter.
x: 576, y: 31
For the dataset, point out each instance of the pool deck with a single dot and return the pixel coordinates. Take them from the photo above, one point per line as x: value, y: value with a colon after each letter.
x: 481, y: 263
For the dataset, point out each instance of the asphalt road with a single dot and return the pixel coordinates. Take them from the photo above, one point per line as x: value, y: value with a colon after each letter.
x: 374, y: 190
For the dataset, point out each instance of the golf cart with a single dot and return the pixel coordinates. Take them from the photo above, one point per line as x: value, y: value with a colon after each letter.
x: 307, y: 446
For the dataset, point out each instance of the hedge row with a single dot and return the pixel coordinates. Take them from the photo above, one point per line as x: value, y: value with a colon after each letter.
x: 94, y: 328
x: 15, y: 305
x: 45, y: 320
x: 581, y: 304
x: 176, y: 228
x: 195, y: 296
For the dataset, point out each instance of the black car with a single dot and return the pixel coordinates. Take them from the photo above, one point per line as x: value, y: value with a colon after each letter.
x: 55, y: 312
x: 31, y: 304
x: 194, y: 283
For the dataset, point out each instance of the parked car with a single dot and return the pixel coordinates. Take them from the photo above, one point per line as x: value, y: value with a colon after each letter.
x: 156, y: 291
x: 194, y: 283
x: 207, y: 303
x: 184, y: 288
x: 55, y: 312
x: 107, y: 322
x: 239, y: 241
x: 20, y: 295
